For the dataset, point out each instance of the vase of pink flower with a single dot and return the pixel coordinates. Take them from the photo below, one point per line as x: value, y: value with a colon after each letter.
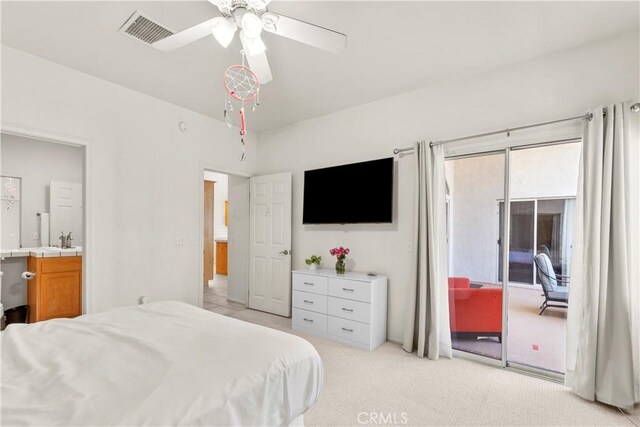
x: 340, y: 254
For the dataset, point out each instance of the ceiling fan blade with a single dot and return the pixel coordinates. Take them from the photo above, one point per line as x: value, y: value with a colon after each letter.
x: 260, y: 66
x: 304, y: 32
x: 258, y: 62
x: 189, y: 35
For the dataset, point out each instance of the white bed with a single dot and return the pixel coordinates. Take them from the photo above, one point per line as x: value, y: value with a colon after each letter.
x: 165, y: 363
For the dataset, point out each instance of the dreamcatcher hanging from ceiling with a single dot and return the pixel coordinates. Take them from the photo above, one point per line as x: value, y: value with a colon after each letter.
x: 241, y: 85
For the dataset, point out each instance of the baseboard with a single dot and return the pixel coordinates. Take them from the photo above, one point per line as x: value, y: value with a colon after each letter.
x: 237, y: 301
x: 395, y: 340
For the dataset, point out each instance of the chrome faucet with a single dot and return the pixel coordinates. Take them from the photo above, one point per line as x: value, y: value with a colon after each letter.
x: 65, y: 241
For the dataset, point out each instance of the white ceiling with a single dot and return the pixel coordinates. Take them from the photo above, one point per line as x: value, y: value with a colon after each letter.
x: 393, y: 47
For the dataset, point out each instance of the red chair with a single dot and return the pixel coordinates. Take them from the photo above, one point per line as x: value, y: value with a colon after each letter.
x: 474, y: 311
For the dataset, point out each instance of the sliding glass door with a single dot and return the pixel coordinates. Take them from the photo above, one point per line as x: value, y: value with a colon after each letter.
x: 548, y: 177
x: 475, y: 294
x: 507, y: 314
x: 537, y: 226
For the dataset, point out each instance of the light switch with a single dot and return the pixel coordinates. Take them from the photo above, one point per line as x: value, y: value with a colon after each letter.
x: 179, y: 241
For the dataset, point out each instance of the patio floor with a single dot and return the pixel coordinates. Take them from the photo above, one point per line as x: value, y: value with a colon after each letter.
x: 533, y: 340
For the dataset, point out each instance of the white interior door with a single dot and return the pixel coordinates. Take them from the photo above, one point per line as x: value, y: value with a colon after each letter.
x: 65, y: 211
x: 270, y: 244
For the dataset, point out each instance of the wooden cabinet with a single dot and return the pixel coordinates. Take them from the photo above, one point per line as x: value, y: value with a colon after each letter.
x: 56, y: 291
x: 221, y: 258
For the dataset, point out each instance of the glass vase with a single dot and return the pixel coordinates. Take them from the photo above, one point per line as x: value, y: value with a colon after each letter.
x: 340, y: 266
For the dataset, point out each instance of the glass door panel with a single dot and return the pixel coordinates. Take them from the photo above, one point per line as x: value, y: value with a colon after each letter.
x: 475, y: 294
x: 521, y: 242
x: 554, y: 232
x: 543, y: 227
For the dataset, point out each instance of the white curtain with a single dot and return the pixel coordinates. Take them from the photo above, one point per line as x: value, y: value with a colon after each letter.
x: 602, y: 327
x: 427, y: 322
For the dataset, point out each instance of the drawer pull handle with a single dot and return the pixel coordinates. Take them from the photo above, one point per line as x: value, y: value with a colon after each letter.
x: 350, y: 310
x: 308, y: 283
x: 347, y: 289
x: 348, y: 330
x: 308, y: 320
x: 306, y: 301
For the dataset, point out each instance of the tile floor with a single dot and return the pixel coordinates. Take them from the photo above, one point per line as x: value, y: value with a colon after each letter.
x: 215, y: 300
x: 215, y: 296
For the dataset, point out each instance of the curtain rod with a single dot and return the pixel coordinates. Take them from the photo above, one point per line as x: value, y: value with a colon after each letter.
x: 635, y: 108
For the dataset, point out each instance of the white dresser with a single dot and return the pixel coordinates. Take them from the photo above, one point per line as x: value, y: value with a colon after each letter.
x: 350, y: 308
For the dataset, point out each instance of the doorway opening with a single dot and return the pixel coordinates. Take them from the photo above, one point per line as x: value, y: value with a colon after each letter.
x: 511, y: 224
x: 225, y: 241
x: 43, y: 226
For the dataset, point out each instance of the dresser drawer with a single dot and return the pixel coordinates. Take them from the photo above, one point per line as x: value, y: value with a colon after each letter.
x: 348, y: 329
x: 349, y: 309
x: 309, y: 301
x: 310, y: 283
x: 350, y: 289
x: 309, y: 320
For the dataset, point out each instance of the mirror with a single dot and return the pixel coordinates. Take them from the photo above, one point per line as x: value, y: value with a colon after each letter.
x: 11, y: 212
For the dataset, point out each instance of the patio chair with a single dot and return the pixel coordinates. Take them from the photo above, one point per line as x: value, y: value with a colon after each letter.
x: 553, y: 293
x: 544, y: 249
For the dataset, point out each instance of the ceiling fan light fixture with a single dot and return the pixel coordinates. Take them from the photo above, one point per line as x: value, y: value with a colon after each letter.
x: 224, y: 33
x: 251, y: 25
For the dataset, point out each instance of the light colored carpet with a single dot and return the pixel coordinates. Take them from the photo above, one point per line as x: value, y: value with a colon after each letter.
x: 359, y: 385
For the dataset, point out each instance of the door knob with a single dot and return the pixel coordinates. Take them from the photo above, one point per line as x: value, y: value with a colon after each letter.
x: 285, y: 252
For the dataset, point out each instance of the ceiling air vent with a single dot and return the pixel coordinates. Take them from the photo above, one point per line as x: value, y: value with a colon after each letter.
x: 144, y: 28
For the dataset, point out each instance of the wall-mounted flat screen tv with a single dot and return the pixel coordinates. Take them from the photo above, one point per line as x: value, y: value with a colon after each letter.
x: 349, y: 194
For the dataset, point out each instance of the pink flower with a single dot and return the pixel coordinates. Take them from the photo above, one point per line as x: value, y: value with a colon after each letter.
x: 339, y: 252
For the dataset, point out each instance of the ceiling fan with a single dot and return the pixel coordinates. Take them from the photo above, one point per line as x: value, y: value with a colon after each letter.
x: 251, y: 17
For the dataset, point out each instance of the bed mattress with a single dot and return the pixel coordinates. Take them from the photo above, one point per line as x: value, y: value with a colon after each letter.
x: 166, y: 363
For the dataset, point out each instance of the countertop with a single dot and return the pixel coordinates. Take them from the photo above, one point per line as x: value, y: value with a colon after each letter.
x: 49, y: 252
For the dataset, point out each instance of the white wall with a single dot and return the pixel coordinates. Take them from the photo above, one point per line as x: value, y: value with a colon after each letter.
x: 559, y: 85
x: 145, y: 174
x: 479, y: 183
x: 545, y: 171
x: 38, y: 163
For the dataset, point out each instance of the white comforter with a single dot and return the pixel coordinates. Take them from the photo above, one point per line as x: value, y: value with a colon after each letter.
x: 166, y: 363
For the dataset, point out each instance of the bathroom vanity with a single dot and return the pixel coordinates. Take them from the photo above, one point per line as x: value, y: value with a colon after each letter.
x: 40, y: 269
x: 56, y: 289
x: 221, y: 256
